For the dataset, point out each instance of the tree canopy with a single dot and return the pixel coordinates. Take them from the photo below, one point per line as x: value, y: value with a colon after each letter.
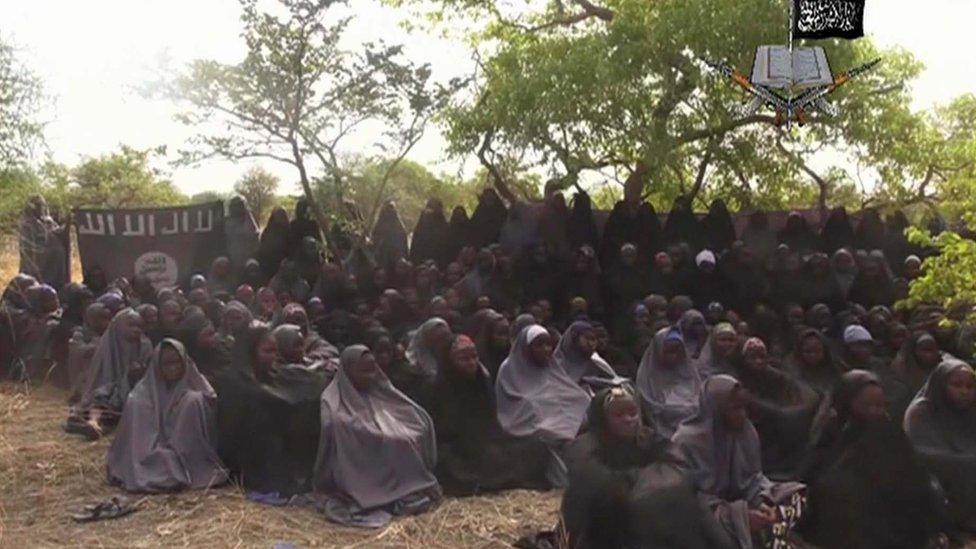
x: 21, y: 97
x: 618, y: 87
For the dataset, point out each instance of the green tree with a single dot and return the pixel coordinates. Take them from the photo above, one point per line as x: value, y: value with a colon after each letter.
x: 21, y: 97
x: 618, y: 87
x: 299, y: 93
x: 17, y: 185
x: 258, y: 187
x: 124, y: 179
x: 208, y: 196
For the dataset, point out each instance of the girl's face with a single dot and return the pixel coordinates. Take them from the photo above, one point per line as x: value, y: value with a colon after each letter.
x: 623, y: 418
x: 207, y: 337
x: 897, y: 336
x: 672, y: 354
x: 961, y: 389
x: 499, y: 334
x: 365, y: 372
x: 234, y: 321
x: 150, y: 317
x: 383, y: 352
x: 586, y: 342
x: 171, y: 367
x: 734, y: 412
x: 540, y: 350
x: 133, y: 329
x: 869, y: 404
x: 927, y: 353
x: 795, y: 316
x: 268, y: 300
x: 756, y: 359
x: 861, y: 351
x: 812, y: 351
x: 267, y: 351
x: 438, y: 337
x: 724, y: 344
x: 102, y: 320
x: 465, y: 360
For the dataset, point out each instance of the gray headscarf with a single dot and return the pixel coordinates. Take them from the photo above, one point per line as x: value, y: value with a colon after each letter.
x: 668, y: 395
x: 574, y: 363
x: 377, y: 446
x: 166, y: 438
x: 521, y: 322
x: 419, y: 355
x: 538, y: 401
x: 726, y: 465
x: 108, y: 374
x: 930, y: 422
x: 241, y: 233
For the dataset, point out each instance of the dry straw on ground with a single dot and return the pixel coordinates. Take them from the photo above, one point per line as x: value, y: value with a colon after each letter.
x: 46, y: 475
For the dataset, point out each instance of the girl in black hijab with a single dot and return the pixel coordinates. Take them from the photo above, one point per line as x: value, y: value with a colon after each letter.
x: 683, y: 226
x: 474, y: 455
x: 274, y: 242
x: 798, y: 235
x: 837, y: 232
x: 487, y: 219
x: 718, y: 226
x: 627, y: 485
x: 430, y: 236
x: 870, y: 234
x: 304, y: 225
x: 460, y: 227
x: 631, y: 221
x: 866, y: 486
x: 389, y: 236
x: 873, y: 284
x: 582, y: 229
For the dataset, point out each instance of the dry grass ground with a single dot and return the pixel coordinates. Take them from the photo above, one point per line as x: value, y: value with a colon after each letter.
x: 45, y: 476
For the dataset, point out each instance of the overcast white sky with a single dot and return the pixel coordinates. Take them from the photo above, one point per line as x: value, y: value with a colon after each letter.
x: 92, y: 54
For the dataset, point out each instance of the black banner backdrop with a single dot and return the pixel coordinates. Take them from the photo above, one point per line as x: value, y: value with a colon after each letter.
x: 828, y: 19
x: 166, y: 244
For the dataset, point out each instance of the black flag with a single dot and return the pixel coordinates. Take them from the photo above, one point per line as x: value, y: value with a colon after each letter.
x: 828, y: 18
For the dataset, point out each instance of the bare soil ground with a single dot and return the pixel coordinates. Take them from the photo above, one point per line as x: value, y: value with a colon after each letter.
x: 46, y: 475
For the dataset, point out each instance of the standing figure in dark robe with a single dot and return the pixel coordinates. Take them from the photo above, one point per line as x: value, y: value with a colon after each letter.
x: 873, y: 284
x: 430, y: 236
x: 474, y: 455
x: 42, y: 251
x: 626, y: 284
x: 819, y: 285
x: 837, y: 232
x: 487, y: 220
x: 718, y: 226
x: 166, y: 439
x: 274, y: 242
x: 584, y: 281
x: 459, y: 235
x: 867, y: 489
x: 631, y: 221
x: 302, y: 226
x: 582, y: 229
x: 870, y: 233
x: 682, y: 225
x: 896, y: 246
x: 389, y: 237
x: 758, y: 237
x: 628, y: 487
x: 798, y: 235
x: 241, y: 232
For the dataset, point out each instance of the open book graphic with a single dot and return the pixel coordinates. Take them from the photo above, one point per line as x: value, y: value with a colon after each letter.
x: 775, y: 67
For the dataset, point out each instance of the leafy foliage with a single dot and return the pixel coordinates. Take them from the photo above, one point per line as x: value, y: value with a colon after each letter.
x: 618, y: 86
x: 299, y: 94
x: 258, y: 187
x: 21, y: 97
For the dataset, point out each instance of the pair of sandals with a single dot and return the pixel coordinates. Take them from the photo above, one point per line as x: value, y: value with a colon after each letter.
x: 111, y: 509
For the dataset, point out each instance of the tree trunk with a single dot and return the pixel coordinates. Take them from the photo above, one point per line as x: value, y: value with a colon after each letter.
x: 314, y: 205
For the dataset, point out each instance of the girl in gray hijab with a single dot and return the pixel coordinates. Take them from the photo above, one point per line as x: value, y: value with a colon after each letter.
x: 377, y: 450
x: 721, y: 447
x: 82, y: 345
x: 166, y: 439
x: 537, y: 398
x: 121, y: 357
x: 667, y: 382
x: 941, y: 424
x: 426, y: 342
x: 576, y: 354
